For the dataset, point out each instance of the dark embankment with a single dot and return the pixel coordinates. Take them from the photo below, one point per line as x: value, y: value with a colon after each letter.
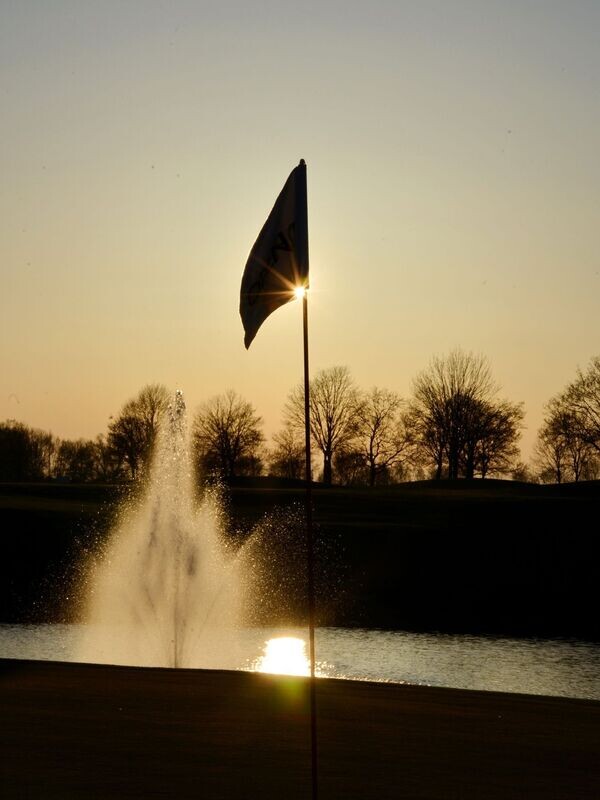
x: 46, y: 530
x: 479, y: 556
x: 86, y: 731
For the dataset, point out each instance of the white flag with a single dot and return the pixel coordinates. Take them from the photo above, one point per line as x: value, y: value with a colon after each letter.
x: 278, y: 262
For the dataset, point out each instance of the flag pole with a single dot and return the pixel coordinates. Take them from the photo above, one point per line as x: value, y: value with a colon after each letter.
x: 276, y: 267
x: 310, y: 556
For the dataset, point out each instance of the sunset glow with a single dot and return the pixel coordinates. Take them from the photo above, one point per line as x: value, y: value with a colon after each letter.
x: 436, y: 136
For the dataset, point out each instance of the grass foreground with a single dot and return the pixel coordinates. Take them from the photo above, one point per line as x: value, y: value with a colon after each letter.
x: 83, y: 731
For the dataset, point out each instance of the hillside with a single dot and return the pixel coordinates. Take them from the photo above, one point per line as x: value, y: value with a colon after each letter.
x: 478, y: 556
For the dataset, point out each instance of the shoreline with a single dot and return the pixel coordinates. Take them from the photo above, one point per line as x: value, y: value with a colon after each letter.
x: 86, y: 730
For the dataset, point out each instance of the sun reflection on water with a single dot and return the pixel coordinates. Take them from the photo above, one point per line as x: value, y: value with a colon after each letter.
x: 284, y: 655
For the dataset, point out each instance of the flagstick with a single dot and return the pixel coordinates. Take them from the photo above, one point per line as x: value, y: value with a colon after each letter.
x: 310, y: 555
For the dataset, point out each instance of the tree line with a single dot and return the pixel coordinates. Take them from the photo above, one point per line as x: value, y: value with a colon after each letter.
x: 29, y: 454
x: 568, y: 443
x: 453, y: 425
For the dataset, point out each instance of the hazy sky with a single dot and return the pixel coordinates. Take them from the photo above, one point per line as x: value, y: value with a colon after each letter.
x: 453, y: 169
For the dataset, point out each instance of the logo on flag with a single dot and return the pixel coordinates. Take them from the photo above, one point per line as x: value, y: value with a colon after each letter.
x: 278, y: 261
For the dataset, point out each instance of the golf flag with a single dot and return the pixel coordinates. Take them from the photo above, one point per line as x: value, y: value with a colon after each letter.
x: 278, y: 261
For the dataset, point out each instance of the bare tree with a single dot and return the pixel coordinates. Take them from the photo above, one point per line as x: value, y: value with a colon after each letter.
x: 333, y: 405
x: 591, y: 469
x: 550, y: 456
x: 444, y: 396
x: 26, y: 454
x: 76, y: 460
x: 227, y: 436
x: 15, y: 460
x: 429, y: 430
x: 43, y: 448
x: 522, y: 473
x: 350, y: 467
x: 108, y: 465
x: 132, y: 434
x: 14, y: 451
x: 563, y: 449
x: 582, y: 398
x: 492, y: 445
x: 457, y: 421
x: 288, y: 458
x: 383, y: 437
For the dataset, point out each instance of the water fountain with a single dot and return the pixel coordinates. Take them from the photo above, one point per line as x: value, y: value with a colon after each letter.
x: 167, y: 590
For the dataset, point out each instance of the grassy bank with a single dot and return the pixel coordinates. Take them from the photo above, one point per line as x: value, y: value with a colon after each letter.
x: 82, y: 731
x: 480, y: 556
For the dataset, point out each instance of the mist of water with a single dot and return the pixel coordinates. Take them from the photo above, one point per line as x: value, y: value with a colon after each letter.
x: 168, y: 589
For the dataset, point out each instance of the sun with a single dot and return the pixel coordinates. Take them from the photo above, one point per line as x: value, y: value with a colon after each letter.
x: 299, y: 292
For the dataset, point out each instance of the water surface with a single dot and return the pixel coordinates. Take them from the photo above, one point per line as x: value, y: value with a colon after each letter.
x: 556, y: 667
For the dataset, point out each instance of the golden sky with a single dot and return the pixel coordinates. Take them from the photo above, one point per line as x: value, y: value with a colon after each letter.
x: 453, y: 175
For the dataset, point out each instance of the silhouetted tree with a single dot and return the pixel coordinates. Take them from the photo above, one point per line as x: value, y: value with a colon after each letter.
x: 491, y: 443
x: 563, y: 451
x: 582, y: 399
x: 457, y: 421
x: 26, y: 454
x: 109, y: 467
x: 550, y: 455
x: 132, y: 434
x: 227, y: 436
x: 591, y: 469
x: 250, y: 466
x: 42, y: 452
x: 382, y: 435
x: 333, y: 419
x: 522, y: 473
x: 15, y: 462
x: 351, y: 467
x: 288, y: 459
x: 76, y: 460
